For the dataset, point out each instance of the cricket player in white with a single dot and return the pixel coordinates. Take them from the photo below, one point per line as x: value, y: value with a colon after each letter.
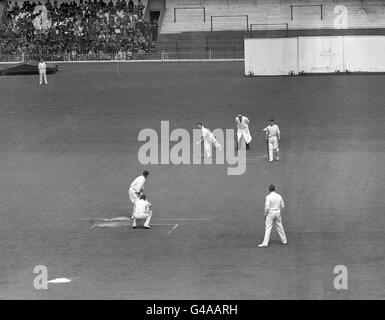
x: 142, y: 212
x: 273, y: 135
x: 242, y: 123
x: 42, y: 72
x: 273, y: 206
x: 137, y: 187
x: 208, y: 138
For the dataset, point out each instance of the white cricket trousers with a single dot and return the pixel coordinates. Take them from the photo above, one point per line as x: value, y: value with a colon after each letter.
x: 133, y: 195
x: 273, y: 147
x: 42, y: 77
x: 274, y: 218
x: 142, y: 216
x: 207, y: 146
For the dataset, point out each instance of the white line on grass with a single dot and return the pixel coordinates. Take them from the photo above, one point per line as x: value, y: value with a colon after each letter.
x: 109, y: 225
x: 126, y: 221
x: 124, y: 224
x: 175, y: 226
x: 107, y: 219
x: 127, y: 218
x: 175, y: 219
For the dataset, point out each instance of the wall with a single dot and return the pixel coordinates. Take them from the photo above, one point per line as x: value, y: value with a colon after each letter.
x: 276, y: 56
x: 365, y: 53
x: 3, y: 8
x: 315, y: 55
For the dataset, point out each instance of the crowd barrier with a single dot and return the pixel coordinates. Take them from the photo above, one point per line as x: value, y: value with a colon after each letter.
x: 158, y: 56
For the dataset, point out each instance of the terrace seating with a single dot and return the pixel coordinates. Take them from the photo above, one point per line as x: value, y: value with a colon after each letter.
x: 367, y: 14
x: 92, y: 27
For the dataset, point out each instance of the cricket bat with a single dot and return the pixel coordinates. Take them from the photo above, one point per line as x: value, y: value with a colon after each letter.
x: 267, y: 149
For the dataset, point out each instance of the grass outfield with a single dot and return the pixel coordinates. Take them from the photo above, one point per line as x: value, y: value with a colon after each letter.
x: 69, y: 152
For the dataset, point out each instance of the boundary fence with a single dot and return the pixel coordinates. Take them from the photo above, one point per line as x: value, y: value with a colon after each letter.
x: 116, y: 57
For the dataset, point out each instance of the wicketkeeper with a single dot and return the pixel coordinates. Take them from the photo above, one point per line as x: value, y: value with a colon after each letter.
x: 142, y: 211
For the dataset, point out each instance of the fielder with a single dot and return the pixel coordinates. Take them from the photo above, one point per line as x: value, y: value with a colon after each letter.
x: 42, y: 72
x: 208, y: 138
x: 273, y: 206
x: 142, y: 211
x: 273, y: 136
x: 137, y: 187
x: 243, y: 131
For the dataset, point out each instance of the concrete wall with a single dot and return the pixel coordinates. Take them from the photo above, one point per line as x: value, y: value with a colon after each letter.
x: 272, y: 14
x: 3, y: 7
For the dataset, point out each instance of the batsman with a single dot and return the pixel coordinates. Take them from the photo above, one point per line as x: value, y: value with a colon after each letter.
x: 273, y: 136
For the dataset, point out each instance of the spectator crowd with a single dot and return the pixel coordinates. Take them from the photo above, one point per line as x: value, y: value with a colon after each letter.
x: 93, y: 27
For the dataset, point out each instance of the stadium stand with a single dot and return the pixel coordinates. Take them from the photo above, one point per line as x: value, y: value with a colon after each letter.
x: 221, y: 25
x: 94, y: 27
x: 230, y: 15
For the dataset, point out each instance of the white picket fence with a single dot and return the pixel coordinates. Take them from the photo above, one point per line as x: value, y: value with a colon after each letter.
x: 126, y: 57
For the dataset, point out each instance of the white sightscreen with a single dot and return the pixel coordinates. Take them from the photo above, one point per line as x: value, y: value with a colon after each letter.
x: 320, y: 54
x: 364, y: 53
x: 271, y: 56
x: 279, y: 56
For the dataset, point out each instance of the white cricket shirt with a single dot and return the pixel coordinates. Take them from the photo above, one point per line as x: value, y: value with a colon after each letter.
x: 42, y: 66
x: 141, y: 206
x: 272, y: 131
x: 138, y: 184
x: 274, y: 203
x: 242, y: 124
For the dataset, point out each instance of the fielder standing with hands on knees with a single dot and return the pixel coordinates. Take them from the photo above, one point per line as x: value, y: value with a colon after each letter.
x: 42, y: 72
x: 273, y: 206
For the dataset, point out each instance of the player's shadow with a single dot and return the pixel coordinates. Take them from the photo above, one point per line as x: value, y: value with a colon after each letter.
x: 276, y: 242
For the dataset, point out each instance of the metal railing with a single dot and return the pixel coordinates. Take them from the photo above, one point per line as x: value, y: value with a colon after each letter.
x: 125, y: 57
x: 190, y: 8
x: 259, y: 29
x: 268, y: 26
x: 229, y: 16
